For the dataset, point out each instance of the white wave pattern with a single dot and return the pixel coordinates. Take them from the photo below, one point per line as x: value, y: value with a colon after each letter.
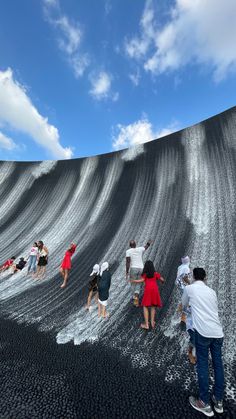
x: 43, y: 168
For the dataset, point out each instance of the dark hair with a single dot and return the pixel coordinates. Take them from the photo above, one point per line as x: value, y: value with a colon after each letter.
x: 36, y: 244
x: 199, y: 274
x: 13, y: 257
x: 132, y: 243
x: 149, y: 269
x: 40, y: 244
x: 21, y: 258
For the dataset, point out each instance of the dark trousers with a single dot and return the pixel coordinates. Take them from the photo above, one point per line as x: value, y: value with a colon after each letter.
x: 203, y: 345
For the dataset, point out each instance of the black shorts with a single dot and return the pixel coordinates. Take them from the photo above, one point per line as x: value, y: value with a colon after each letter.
x: 43, y: 261
x: 93, y: 289
x: 93, y: 286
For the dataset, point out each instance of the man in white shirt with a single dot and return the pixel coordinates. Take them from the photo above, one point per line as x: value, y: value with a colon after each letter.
x: 208, y: 336
x: 134, y: 267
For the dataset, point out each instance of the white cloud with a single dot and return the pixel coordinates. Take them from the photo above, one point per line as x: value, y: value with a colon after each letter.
x: 79, y: 63
x: 6, y: 142
x: 167, y: 130
x: 51, y: 3
x: 133, y: 134
x: 135, y: 78
x: 101, y: 87
x: 115, y: 96
x: 138, y: 46
x: 108, y: 7
x: 198, y: 32
x: 139, y: 132
x: 69, y: 36
x: 18, y: 112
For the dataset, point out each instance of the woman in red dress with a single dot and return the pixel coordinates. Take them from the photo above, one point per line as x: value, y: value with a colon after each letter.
x: 151, y: 296
x: 66, y: 264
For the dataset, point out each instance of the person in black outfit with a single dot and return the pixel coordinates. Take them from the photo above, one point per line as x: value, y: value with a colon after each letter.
x: 93, y: 286
x: 104, y: 284
x: 19, y: 266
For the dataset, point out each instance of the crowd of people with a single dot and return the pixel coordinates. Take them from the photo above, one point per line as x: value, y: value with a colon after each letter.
x: 197, y: 307
x: 37, y: 261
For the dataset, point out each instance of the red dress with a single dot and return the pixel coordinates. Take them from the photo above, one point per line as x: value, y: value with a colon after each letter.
x: 8, y: 263
x: 66, y: 263
x: 151, y: 296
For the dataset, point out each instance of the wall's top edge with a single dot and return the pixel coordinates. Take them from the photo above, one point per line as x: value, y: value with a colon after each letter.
x: 112, y: 153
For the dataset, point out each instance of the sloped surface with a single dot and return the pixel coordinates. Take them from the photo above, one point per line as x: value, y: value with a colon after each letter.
x: 181, y: 192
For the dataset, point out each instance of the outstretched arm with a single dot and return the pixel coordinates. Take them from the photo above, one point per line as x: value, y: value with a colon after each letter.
x: 147, y: 244
x: 162, y: 279
x: 137, y: 280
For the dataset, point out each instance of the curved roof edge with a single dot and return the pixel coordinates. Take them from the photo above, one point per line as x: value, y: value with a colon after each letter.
x: 228, y: 110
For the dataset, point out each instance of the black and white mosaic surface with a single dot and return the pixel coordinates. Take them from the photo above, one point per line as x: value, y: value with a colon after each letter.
x: 59, y: 361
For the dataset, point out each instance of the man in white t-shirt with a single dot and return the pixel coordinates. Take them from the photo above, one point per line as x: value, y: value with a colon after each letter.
x: 208, y: 337
x: 134, y: 267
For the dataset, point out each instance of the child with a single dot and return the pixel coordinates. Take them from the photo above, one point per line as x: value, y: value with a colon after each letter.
x: 7, y: 264
x: 32, y: 259
x: 183, y: 278
x: 151, y: 296
x: 19, y: 266
x: 93, y: 286
x: 66, y: 264
x: 104, y: 284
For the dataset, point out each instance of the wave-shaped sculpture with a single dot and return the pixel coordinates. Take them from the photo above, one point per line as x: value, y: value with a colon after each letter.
x: 180, y: 191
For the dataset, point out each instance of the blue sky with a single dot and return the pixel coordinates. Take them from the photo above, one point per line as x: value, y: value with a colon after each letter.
x: 80, y: 78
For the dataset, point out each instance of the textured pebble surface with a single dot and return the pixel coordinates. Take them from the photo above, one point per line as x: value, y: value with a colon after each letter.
x: 40, y: 379
x: 59, y: 361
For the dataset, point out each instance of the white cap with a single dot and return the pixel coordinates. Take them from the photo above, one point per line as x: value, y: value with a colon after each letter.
x: 96, y: 269
x: 185, y: 260
x: 104, y: 267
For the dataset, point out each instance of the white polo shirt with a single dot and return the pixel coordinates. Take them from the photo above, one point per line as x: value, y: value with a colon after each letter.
x: 204, y: 305
x: 136, y: 257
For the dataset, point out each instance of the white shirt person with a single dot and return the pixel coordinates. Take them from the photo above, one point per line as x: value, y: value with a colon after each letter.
x: 208, y: 338
x: 134, y: 267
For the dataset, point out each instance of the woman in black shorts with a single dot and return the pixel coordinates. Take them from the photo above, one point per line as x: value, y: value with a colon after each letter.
x: 42, y: 260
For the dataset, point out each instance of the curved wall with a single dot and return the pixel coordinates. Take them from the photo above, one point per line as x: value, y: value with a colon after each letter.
x: 180, y: 191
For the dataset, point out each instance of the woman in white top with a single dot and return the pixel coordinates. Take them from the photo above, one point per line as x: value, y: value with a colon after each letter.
x: 42, y: 260
x: 32, y: 259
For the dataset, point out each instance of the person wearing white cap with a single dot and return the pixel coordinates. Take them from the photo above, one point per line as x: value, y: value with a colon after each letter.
x: 183, y: 278
x: 104, y: 284
x: 183, y: 271
x: 93, y: 286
